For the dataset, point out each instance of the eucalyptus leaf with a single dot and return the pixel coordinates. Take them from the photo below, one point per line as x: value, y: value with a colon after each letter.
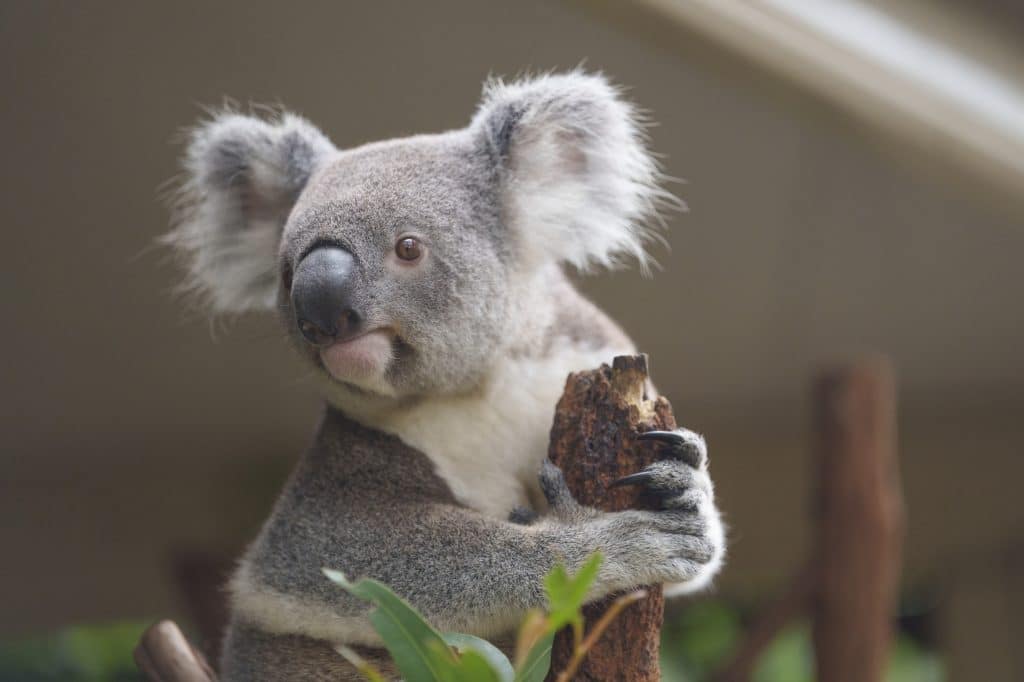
x: 538, y: 662
x: 417, y: 649
x: 471, y: 666
x: 359, y: 663
x: 474, y: 667
x: 497, y: 661
x: 566, y: 594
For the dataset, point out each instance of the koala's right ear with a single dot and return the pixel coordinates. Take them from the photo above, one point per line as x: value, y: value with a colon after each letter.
x: 242, y: 178
x: 578, y: 183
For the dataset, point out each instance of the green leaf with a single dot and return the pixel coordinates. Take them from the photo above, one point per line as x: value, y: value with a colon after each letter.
x: 538, y: 662
x: 417, y: 649
x: 364, y: 667
x: 566, y: 595
x: 910, y: 663
x: 788, y: 657
x: 85, y: 652
x: 475, y: 667
x: 471, y: 666
x: 496, y: 660
x: 704, y: 634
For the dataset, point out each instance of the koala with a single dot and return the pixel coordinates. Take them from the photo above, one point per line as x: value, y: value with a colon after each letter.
x: 423, y: 280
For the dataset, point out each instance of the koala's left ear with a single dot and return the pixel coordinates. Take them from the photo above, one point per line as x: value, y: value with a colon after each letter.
x: 242, y: 177
x: 578, y: 183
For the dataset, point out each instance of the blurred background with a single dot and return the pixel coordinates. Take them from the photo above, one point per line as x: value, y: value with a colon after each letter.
x: 855, y: 180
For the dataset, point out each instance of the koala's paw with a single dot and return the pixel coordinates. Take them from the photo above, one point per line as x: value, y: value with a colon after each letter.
x: 561, y: 504
x: 683, y: 543
x: 522, y: 516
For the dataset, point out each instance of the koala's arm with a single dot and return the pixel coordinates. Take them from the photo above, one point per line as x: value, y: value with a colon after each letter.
x: 464, y: 571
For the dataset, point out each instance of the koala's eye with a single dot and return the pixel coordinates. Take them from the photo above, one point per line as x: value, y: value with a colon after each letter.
x: 408, y: 249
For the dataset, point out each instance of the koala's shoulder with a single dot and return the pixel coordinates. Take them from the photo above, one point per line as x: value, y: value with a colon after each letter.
x: 350, y: 464
x: 581, y: 324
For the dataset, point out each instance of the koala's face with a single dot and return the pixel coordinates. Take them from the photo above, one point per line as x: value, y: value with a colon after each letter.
x: 395, y: 273
x: 397, y: 265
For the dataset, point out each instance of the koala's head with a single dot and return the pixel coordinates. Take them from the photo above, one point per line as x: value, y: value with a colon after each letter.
x: 400, y: 267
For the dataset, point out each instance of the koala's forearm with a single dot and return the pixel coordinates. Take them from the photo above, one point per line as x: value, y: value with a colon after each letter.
x: 465, y: 572
x: 364, y: 503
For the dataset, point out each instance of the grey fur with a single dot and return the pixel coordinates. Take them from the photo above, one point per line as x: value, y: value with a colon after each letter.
x: 364, y: 503
x: 549, y: 171
x: 242, y: 177
x: 254, y: 655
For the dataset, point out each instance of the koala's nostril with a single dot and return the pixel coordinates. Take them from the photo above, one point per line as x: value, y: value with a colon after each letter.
x: 314, y: 334
x: 348, y: 323
x: 322, y: 289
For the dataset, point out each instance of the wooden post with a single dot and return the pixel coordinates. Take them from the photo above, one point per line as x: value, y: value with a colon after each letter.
x: 164, y: 655
x: 850, y: 582
x: 593, y: 441
x: 861, y: 521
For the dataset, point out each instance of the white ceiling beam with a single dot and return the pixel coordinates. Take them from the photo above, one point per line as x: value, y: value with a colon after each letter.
x: 876, y: 66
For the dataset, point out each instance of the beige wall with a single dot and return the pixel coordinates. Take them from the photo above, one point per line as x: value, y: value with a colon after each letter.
x: 130, y: 428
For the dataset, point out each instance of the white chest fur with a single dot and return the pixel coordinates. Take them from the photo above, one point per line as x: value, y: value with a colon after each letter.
x: 488, y: 447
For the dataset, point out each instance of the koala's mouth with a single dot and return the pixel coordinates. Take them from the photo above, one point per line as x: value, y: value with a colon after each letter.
x: 360, y: 358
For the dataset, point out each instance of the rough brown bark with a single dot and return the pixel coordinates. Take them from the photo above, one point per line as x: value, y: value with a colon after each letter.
x: 593, y: 441
x: 861, y: 528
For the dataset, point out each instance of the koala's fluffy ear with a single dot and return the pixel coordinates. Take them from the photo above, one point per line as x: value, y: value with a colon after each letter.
x: 578, y: 183
x: 242, y: 177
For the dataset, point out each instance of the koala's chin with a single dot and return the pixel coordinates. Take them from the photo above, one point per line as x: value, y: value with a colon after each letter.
x: 363, y: 359
x: 357, y: 391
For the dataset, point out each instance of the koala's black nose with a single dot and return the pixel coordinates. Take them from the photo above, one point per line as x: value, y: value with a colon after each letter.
x: 321, y: 296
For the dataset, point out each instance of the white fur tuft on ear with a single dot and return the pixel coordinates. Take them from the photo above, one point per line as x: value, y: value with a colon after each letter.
x: 578, y: 182
x: 242, y: 176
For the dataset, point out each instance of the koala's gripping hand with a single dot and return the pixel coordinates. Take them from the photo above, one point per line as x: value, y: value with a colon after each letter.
x: 682, y: 543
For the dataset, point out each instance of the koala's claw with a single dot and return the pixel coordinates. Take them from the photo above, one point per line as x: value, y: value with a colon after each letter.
x: 676, y: 484
x: 681, y: 444
x: 638, y: 478
x: 680, y: 541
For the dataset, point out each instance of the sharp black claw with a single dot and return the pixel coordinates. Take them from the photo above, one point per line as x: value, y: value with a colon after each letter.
x: 680, y: 446
x: 633, y: 479
x: 666, y: 437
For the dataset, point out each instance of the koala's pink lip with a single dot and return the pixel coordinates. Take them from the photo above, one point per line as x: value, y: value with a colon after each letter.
x: 360, y: 357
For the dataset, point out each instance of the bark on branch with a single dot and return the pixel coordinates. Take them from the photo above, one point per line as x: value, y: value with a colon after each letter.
x: 593, y: 441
